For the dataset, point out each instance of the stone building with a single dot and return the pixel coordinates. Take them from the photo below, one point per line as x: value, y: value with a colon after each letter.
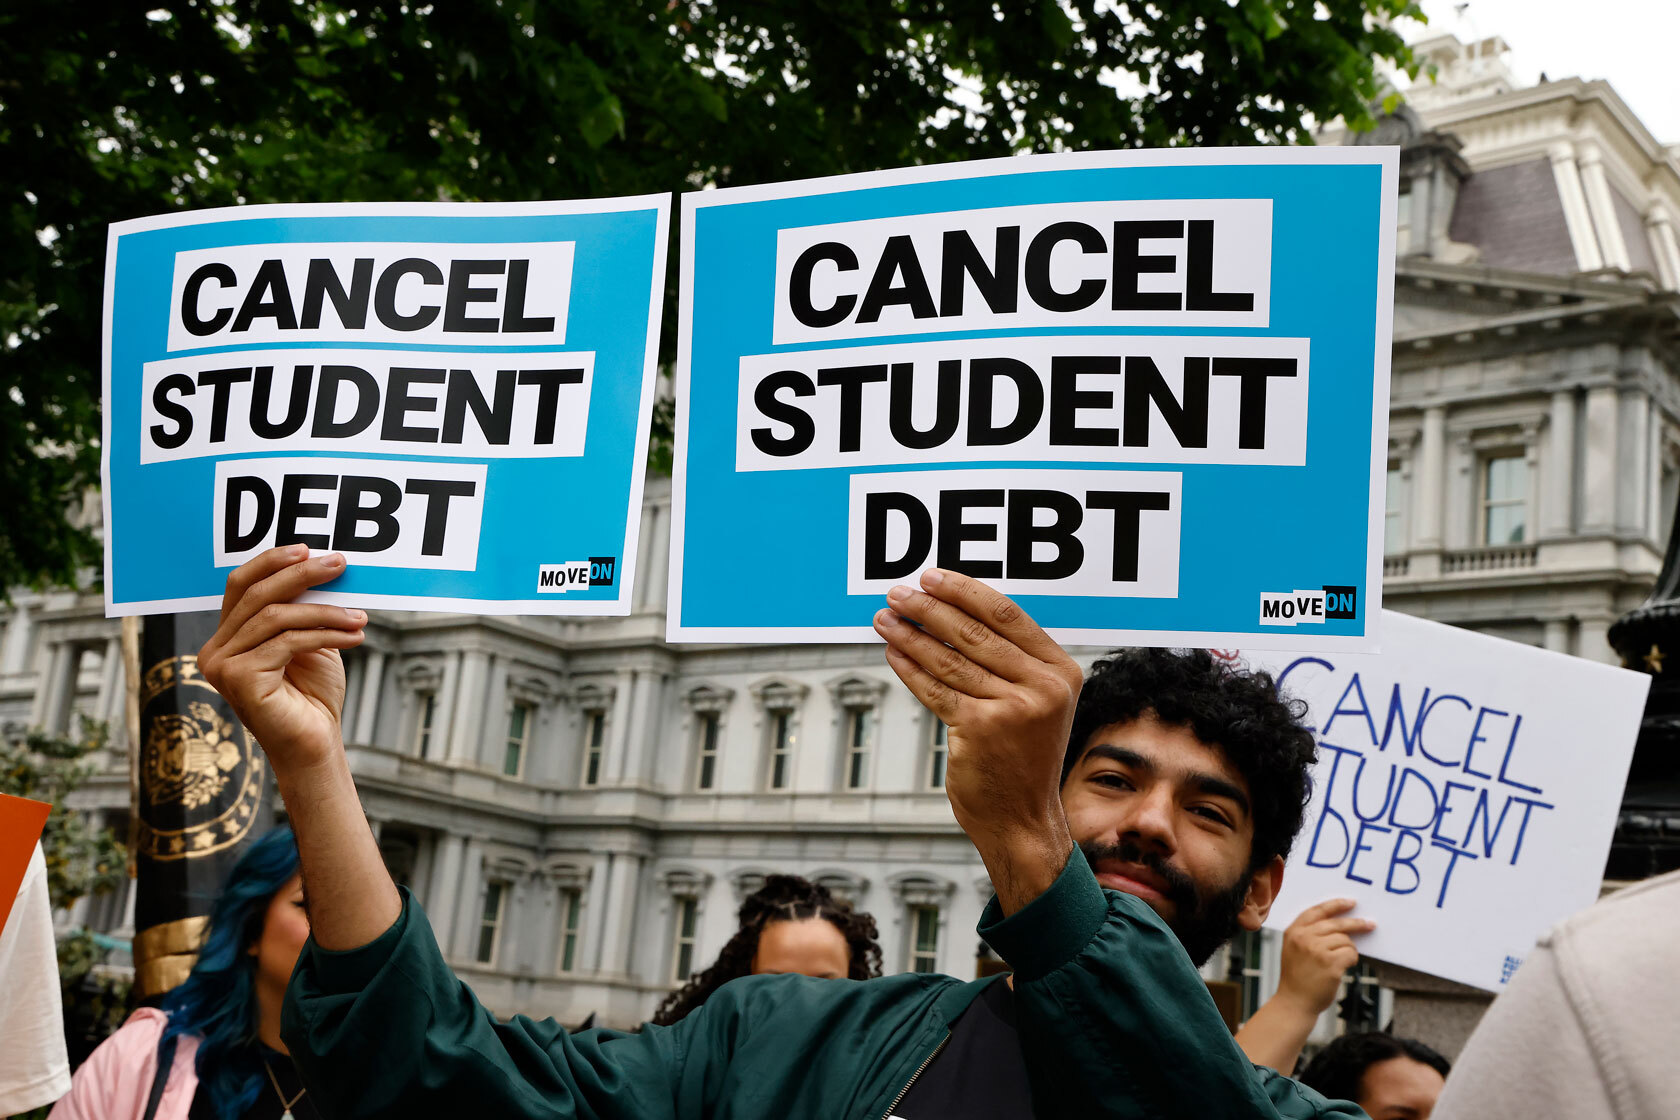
x: 581, y: 806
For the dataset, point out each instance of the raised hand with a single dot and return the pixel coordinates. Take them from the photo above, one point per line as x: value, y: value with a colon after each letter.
x: 277, y: 662
x: 1006, y: 692
x: 1318, y: 950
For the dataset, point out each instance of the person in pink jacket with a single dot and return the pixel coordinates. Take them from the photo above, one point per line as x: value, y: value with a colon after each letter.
x: 213, y: 1050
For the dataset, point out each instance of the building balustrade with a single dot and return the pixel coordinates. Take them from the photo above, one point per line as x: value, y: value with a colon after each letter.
x: 1499, y: 558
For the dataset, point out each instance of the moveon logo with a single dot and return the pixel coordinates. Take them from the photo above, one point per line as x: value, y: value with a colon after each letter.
x: 1308, y: 608
x: 574, y: 575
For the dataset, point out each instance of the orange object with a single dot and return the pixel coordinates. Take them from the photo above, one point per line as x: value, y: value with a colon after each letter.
x: 21, y: 821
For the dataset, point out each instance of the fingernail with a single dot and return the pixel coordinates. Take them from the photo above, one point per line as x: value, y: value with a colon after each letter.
x: 884, y: 617
x: 357, y: 616
x: 332, y: 560
x: 297, y: 551
x: 899, y: 593
x: 933, y: 577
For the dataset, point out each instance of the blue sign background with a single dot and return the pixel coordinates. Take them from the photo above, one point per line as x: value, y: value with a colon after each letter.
x: 536, y: 511
x: 1245, y: 529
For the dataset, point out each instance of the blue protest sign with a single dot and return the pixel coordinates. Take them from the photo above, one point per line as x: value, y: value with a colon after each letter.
x: 455, y: 396
x: 1144, y: 393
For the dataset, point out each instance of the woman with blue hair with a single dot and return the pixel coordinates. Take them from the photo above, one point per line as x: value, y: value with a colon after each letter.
x: 213, y: 1050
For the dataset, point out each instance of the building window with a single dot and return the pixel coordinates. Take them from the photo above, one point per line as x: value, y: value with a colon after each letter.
x: 682, y: 950
x: 520, y: 720
x: 571, y: 903
x: 924, y: 939
x: 423, y: 735
x: 1504, y: 500
x: 938, y: 751
x: 1246, y: 971
x: 594, y: 736
x: 706, y: 743
x: 1394, y: 539
x: 495, y: 894
x: 781, y: 750
x: 857, y: 747
x: 1403, y: 223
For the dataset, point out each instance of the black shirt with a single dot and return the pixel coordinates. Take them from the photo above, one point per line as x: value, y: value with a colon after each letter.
x: 979, y: 1074
x: 267, y: 1106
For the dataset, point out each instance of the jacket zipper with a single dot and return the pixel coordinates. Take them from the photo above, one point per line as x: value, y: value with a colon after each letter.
x: 904, y: 1092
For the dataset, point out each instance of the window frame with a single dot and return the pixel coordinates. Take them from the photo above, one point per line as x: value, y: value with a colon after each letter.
x: 1486, y: 505
x: 778, y: 758
x: 594, y: 749
x: 859, y: 731
x: 491, y: 926
x: 938, y: 754
x: 522, y: 747
x: 423, y: 730
x: 570, y: 926
x: 708, y: 737
x: 685, y: 934
x: 915, y: 955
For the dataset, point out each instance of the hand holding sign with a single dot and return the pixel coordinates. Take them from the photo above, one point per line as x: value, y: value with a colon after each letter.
x: 1318, y: 950
x: 277, y: 661
x: 1006, y: 692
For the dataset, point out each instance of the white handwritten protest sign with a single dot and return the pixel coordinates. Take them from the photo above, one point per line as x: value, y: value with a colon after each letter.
x: 1465, y: 793
x: 455, y: 396
x: 1107, y: 383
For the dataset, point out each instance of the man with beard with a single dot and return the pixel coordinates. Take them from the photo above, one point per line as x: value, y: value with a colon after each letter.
x: 1182, y: 779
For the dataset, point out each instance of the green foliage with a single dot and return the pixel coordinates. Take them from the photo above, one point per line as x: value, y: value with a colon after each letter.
x: 113, y: 111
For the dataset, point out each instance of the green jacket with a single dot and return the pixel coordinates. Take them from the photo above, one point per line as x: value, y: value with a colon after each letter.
x: 1114, y: 1022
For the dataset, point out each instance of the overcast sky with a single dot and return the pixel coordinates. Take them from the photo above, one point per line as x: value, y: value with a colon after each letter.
x: 1630, y: 43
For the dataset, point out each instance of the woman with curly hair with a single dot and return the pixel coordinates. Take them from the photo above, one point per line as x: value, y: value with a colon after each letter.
x: 788, y: 925
x: 213, y: 1050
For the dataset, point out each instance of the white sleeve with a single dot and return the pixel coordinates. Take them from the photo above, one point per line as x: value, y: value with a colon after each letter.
x: 1528, y: 1057
x: 33, y: 1067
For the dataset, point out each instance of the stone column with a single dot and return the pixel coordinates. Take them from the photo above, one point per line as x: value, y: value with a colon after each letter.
x: 50, y: 691
x: 1557, y: 635
x: 1557, y: 496
x: 470, y: 909
x: 1633, y: 463
x: 110, y: 703
x: 595, y: 913
x: 1601, y: 206
x: 644, y: 696
x: 1664, y: 246
x: 492, y: 750
x: 443, y: 714
x: 620, y: 923
x: 367, y: 704
x: 1600, y: 445
x: 618, y: 734
x: 1595, y: 639
x: 1431, y: 479
x: 442, y: 892
x: 644, y: 554
x: 17, y: 640
x: 1577, y: 218
x: 467, y: 721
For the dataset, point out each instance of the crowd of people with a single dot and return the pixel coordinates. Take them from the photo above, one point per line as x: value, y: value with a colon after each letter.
x: 1132, y: 820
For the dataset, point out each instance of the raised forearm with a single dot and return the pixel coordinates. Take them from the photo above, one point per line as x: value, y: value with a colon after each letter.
x: 350, y: 896
x: 1274, y: 1035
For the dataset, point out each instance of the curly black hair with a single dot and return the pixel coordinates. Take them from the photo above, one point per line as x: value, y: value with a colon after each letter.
x: 1237, y: 711
x: 1337, y: 1070
x: 782, y: 898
